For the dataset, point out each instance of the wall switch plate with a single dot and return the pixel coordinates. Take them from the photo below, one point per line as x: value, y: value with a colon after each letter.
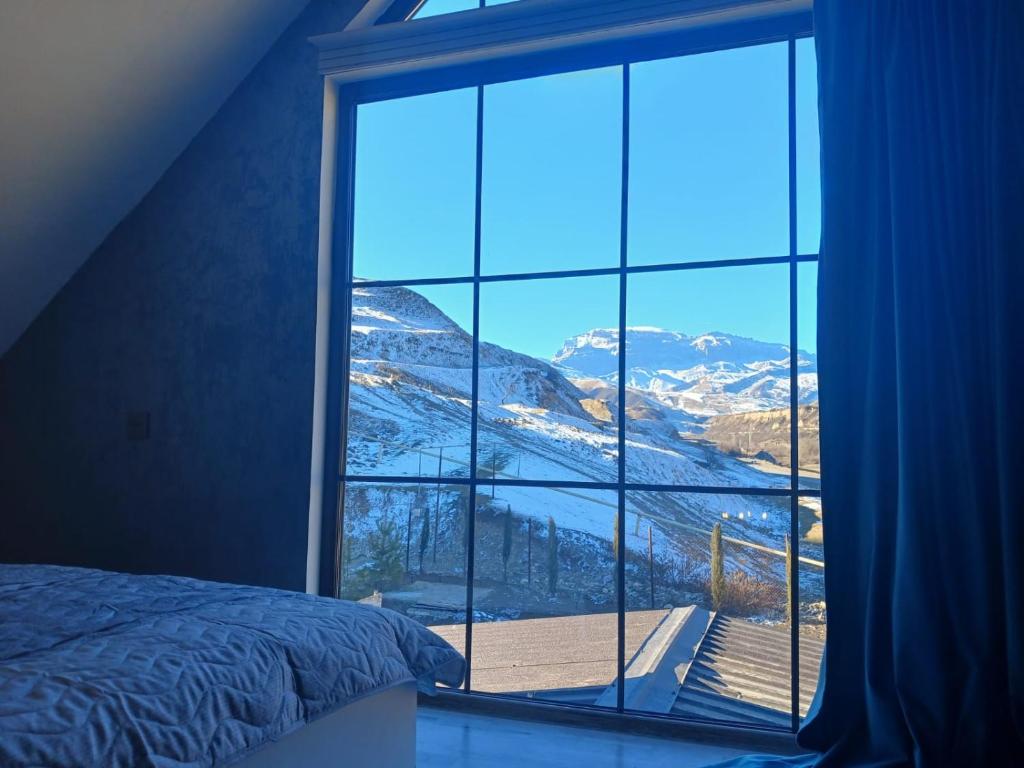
x: 137, y: 425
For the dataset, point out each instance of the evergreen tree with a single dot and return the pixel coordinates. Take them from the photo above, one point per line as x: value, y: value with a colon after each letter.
x: 424, y: 537
x: 506, y: 543
x: 717, y: 568
x: 384, y: 570
x: 552, y: 556
x: 615, y: 539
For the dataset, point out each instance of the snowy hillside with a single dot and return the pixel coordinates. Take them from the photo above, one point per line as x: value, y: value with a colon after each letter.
x: 410, y: 409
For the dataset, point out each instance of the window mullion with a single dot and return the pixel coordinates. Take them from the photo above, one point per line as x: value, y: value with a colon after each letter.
x: 620, y: 555
x: 475, y: 390
x: 794, y: 399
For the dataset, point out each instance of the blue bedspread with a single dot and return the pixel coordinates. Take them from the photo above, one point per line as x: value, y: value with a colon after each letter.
x: 106, y: 669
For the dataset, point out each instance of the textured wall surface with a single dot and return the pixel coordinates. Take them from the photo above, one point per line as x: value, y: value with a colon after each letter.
x: 198, y: 308
x: 88, y: 172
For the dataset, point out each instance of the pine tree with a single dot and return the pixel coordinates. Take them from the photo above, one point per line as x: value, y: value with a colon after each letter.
x: 615, y: 540
x: 552, y: 556
x: 506, y: 543
x: 385, y: 545
x: 717, y: 568
x: 424, y: 537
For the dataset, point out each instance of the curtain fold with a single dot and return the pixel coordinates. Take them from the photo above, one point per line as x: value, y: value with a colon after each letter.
x: 921, y: 384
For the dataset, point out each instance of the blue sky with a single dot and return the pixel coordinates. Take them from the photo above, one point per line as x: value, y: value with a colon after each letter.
x: 438, y: 7
x: 708, y: 180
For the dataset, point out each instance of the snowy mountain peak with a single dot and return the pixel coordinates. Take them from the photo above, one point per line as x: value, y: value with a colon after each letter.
x: 605, y: 339
x: 712, y: 372
x: 594, y: 353
x: 398, y: 336
x: 397, y: 309
x: 709, y: 340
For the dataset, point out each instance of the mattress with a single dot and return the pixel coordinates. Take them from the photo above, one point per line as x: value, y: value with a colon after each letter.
x: 108, y: 669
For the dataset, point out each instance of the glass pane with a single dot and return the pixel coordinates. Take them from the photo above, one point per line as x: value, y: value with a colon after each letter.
x: 552, y: 173
x: 709, y: 148
x: 706, y: 580
x: 544, y: 414
x: 813, y: 620
x: 404, y: 547
x: 807, y: 378
x: 439, y: 7
x: 544, y: 599
x: 707, y: 361
x: 415, y: 187
x: 410, y: 381
x: 808, y: 149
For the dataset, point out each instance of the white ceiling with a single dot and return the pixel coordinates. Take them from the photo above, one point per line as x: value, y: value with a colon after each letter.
x: 97, y: 97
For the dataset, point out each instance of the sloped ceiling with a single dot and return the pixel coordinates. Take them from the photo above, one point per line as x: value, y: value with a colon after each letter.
x: 97, y: 98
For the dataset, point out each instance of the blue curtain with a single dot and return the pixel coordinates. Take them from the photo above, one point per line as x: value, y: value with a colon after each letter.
x: 921, y: 365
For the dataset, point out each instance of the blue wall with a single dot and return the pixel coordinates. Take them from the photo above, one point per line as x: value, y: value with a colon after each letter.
x: 198, y: 308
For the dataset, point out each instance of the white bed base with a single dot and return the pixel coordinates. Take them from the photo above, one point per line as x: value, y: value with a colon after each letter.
x: 378, y: 731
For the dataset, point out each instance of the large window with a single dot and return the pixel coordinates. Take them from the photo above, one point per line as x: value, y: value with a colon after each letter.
x: 581, y: 414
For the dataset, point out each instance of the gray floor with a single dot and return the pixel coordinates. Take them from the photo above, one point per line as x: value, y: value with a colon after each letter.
x: 451, y: 739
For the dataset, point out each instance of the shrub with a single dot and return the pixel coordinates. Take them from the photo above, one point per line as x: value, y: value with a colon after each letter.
x: 717, y: 569
x: 747, y: 596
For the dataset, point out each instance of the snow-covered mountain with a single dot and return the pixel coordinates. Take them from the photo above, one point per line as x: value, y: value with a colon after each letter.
x: 410, y: 404
x: 706, y: 375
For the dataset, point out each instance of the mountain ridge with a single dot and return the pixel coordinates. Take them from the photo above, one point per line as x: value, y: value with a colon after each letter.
x: 708, y: 374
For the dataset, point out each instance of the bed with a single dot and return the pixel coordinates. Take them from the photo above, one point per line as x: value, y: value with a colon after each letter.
x: 109, y: 669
